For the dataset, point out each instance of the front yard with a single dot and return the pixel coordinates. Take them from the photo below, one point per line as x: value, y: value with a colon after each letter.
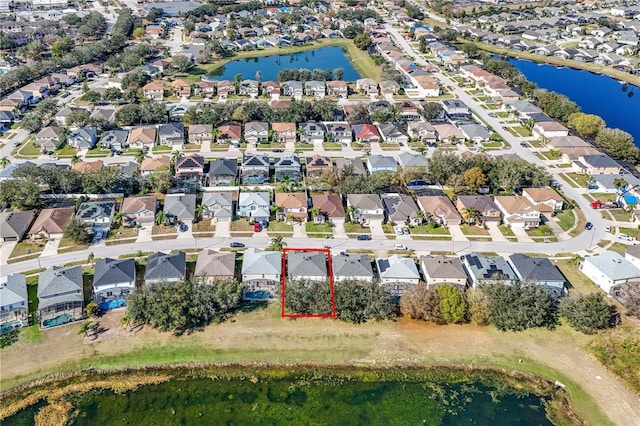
x: 204, y: 226
x: 161, y: 229
x: 121, y: 235
x: 566, y: 219
x: 355, y: 228
x: 241, y: 228
x: 473, y: 230
x: 282, y: 228
x: 27, y: 248
x: 66, y: 245
x: 540, y: 231
x: 577, y: 180
x: 318, y: 230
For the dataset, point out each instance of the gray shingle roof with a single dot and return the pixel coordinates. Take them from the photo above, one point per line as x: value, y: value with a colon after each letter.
x: 58, y: 285
x: 223, y: 167
x: 13, y: 290
x: 306, y: 264
x: 112, y: 271
x: 162, y: 266
x: 397, y: 267
x: 181, y: 206
x: 15, y: 224
x: 534, y: 268
x: 211, y: 263
x: 352, y: 266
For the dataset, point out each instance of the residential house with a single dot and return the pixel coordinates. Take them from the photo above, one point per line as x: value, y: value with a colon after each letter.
x: 438, y: 270
x: 474, y: 132
x: 61, y: 116
x: 400, y: 208
x: 632, y: 254
x: 607, y: 183
x: 140, y: 210
x: 366, y: 133
x: 517, y: 211
x: 550, y: 129
x: 271, y: 87
x: 367, y: 86
x: 218, y: 206
x: 180, y: 207
x: 353, y: 166
x: 14, y: 225
x: 538, y: 271
x: 171, y: 134
x: 249, y: 88
x: 153, y: 90
x: 142, y: 137
x: 284, y: 132
x: 165, y: 268
x: 88, y: 166
x: 153, y: 165
x: 206, y: 88
x: 212, y: 266
x: 440, y: 209
x: 292, y: 206
x: 381, y: 163
x: 181, y: 88
x: 293, y: 88
x: 97, y: 214
x: 256, y: 131
x: 83, y: 138
x: 338, y: 89
x: 339, y: 132
x: 113, y: 282
x: 14, y: 303
x: 254, y: 169
x: 60, y: 295
x: 261, y: 274
x: 306, y: 266
x: 225, y: 88
x: 50, y: 223
x: 287, y: 168
x: 412, y: 160
x: 49, y: 138
x: 314, y: 88
x: 486, y: 209
x: 105, y: 113
x: 566, y: 142
x: 351, y: 267
x: 609, y: 270
x: 455, y: 109
x: 229, y: 133
x: 597, y: 164
x: 330, y: 206
x: 448, y: 133
x: 397, y: 273
x: 223, y: 172
x: 545, y: 200
x: 483, y: 270
x: 311, y: 132
x: 318, y: 165
x: 423, y: 131
x: 389, y: 87
x: 365, y: 208
x: 200, y: 134
x: 255, y: 206
x: 190, y: 169
x: 116, y: 140
x: 393, y: 133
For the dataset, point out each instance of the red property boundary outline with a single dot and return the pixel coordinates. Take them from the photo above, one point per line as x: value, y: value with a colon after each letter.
x: 333, y: 313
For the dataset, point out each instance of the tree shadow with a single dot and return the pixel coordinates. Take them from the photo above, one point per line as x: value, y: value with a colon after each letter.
x: 252, y: 306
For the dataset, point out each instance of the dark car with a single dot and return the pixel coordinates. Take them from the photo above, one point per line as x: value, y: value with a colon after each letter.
x: 278, y: 150
x: 364, y: 237
x: 236, y: 244
x: 588, y: 226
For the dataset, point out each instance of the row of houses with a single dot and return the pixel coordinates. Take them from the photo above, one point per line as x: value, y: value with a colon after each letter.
x: 61, y: 293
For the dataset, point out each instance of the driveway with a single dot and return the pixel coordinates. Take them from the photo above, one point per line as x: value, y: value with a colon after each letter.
x: 521, y: 234
x: 338, y: 229
x: 495, y: 233
x: 51, y: 248
x: 7, y: 247
x: 223, y: 229
x: 299, y: 230
x: 376, y: 228
x: 555, y: 227
x: 144, y: 234
x: 456, y: 233
x: 188, y: 233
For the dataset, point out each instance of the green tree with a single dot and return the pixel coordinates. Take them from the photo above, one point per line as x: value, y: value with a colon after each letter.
x: 431, y: 110
x: 618, y: 144
x: 76, y: 231
x: 4, y: 162
x: 452, y: 304
x: 517, y: 307
x: 154, y: 14
x: 362, y: 41
x: 181, y: 63
x: 62, y: 47
x: 586, y: 124
x: 361, y: 301
x: 78, y: 118
x: 308, y: 297
x: 92, y: 309
x: 139, y: 33
x: 479, y: 311
x: 587, y: 313
x: 474, y: 178
x: 21, y: 194
x: 420, y: 302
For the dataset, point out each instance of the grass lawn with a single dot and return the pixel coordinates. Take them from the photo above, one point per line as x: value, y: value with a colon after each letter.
x: 603, y: 196
x: 122, y: 232
x: 427, y: 229
x: 566, y: 219
x: 66, y: 245
x: 97, y: 152
x: 389, y: 146
x: 65, y: 151
x: 204, y: 226
x: 240, y: 227
x: 24, y: 248
x: 577, y: 280
x: 620, y: 215
x: 279, y: 228
x: 521, y: 131
x: 318, y: 229
x: 332, y: 146
x: 633, y: 232
x: 473, y: 230
x: 618, y: 247
x: 28, y: 149
x: 270, y: 146
x: 161, y: 229
x: 355, y: 228
x: 581, y: 180
x: 540, y: 231
x: 161, y: 148
x: 506, y: 231
x: 192, y: 147
x: 551, y: 155
x: 618, y: 349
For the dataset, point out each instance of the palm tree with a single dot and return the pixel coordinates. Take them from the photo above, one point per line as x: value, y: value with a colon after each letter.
x: 277, y: 244
x: 75, y: 159
x: 175, y: 155
x: 620, y: 183
x: 141, y: 156
x: 215, y: 133
x: 161, y: 218
x: 4, y: 162
x: 470, y: 215
x: 199, y: 210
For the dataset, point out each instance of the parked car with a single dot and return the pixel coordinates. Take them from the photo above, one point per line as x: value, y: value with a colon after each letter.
x: 588, y: 226
x: 236, y: 244
x: 400, y: 247
x: 16, y: 143
x: 364, y: 237
x: 607, y: 228
x: 398, y: 230
x: 624, y: 236
x: 278, y: 150
x: 405, y: 230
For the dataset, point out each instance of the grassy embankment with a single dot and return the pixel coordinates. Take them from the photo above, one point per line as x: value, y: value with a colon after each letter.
x: 360, y: 59
x: 262, y: 336
x: 588, y: 66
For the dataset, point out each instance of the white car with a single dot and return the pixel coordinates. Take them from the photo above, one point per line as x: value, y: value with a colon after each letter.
x: 400, y: 247
x: 624, y: 236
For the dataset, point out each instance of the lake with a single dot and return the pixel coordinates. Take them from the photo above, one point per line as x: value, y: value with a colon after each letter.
x: 326, y: 58
x: 299, y: 397
x: 595, y: 94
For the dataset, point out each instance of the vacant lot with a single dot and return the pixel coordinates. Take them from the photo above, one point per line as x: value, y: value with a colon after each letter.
x: 261, y: 335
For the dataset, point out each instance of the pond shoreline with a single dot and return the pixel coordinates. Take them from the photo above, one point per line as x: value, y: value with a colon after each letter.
x: 58, y: 389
